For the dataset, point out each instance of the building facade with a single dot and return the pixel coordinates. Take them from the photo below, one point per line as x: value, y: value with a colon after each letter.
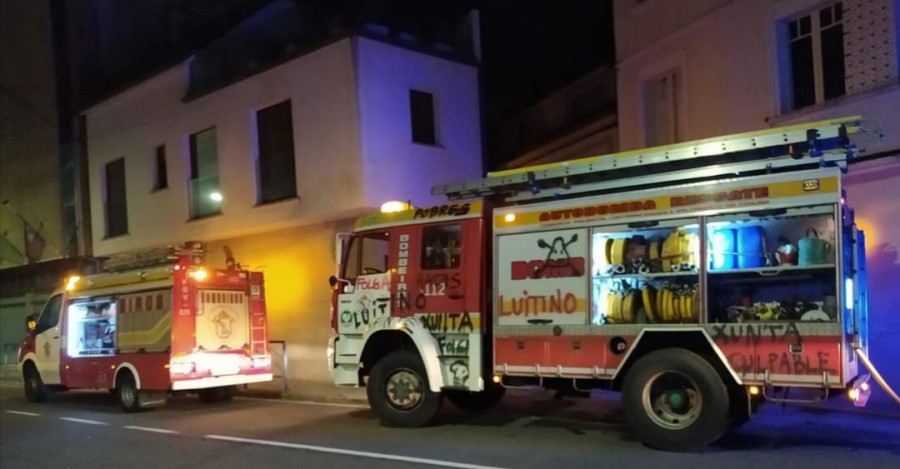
x: 576, y: 121
x: 276, y: 163
x: 695, y: 69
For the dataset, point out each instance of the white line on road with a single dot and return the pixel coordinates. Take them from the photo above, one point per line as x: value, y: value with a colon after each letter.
x: 90, y: 422
x: 349, y: 452
x: 288, y: 401
x: 150, y: 429
x: 19, y: 412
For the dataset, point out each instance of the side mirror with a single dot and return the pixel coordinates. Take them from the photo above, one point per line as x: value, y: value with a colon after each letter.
x: 332, y: 281
x: 30, y: 323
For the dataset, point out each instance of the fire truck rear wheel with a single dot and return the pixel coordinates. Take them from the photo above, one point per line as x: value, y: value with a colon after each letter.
x: 476, y: 401
x: 398, y: 391
x: 129, y: 396
x: 675, y: 400
x: 35, y: 391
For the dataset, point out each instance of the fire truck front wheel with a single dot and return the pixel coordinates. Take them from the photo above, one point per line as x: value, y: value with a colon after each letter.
x: 127, y: 391
x: 35, y: 391
x: 675, y: 400
x: 398, y: 391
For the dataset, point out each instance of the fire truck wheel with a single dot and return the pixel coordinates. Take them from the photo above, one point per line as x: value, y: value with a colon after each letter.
x: 129, y: 397
x: 398, y: 391
x: 475, y: 401
x: 35, y: 391
x: 675, y: 400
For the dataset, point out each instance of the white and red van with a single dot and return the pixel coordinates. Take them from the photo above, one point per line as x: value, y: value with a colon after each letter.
x: 145, y: 332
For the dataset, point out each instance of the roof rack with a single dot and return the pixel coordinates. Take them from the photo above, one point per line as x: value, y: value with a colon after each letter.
x: 155, y: 256
x: 822, y: 143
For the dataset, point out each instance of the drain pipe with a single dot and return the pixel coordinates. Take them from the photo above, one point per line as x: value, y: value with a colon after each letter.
x: 875, y: 374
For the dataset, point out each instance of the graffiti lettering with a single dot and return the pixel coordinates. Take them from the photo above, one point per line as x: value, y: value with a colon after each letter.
x: 753, y: 333
x: 781, y: 363
x: 453, y: 346
x: 527, y: 305
x: 448, y: 322
x: 369, y: 312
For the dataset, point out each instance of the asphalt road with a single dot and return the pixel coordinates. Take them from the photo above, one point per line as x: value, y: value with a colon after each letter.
x: 528, y: 430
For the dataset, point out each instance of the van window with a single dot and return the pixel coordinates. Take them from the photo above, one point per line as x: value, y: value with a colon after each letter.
x: 441, y: 247
x: 92, y: 328
x: 50, y: 315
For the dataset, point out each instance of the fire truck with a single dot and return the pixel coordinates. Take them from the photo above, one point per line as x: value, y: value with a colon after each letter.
x: 697, y: 279
x: 158, y: 321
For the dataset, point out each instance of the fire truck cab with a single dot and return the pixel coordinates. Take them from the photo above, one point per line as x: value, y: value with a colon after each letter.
x: 158, y: 321
x: 697, y: 279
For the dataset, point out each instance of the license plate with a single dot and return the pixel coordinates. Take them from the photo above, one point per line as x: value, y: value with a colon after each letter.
x: 225, y: 370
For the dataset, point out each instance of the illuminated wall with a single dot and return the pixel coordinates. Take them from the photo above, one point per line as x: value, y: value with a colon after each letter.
x: 296, y: 263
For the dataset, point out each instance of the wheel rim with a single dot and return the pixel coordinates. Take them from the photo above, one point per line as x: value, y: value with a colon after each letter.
x: 672, y: 400
x: 31, y: 384
x: 404, y: 389
x: 128, y: 395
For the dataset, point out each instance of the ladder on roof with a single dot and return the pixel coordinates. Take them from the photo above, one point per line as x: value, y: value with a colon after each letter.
x: 815, y: 144
x: 154, y: 256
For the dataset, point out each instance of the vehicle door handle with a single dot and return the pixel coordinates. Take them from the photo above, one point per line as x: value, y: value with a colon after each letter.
x: 56, y: 337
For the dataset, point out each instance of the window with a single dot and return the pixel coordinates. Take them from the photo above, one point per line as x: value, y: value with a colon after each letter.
x: 367, y: 255
x: 441, y: 247
x: 661, y: 96
x: 50, y: 315
x: 161, y: 177
x: 91, y: 329
x: 277, y: 179
x: 116, y: 204
x: 421, y: 110
x: 206, y: 199
x: 816, y: 50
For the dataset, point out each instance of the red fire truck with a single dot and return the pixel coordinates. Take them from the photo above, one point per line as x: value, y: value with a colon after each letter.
x: 159, y: 322
x: 697, y: 279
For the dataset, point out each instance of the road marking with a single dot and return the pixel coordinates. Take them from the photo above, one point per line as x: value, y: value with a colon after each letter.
x: 150, y: 429
x: 19, y: 412
x: 322, y: 404
x: 90, y: 422
x: 349, y: 452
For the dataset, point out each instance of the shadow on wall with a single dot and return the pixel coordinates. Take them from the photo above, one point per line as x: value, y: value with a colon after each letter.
x: 884, y: 317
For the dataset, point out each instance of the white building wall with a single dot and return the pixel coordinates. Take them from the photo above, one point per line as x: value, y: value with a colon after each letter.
x: 352, y: 142
x: 399, y: 169
x: 326, y: 150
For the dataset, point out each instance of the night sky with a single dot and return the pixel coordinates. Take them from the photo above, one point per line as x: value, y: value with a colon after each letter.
x: 533, y: 48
